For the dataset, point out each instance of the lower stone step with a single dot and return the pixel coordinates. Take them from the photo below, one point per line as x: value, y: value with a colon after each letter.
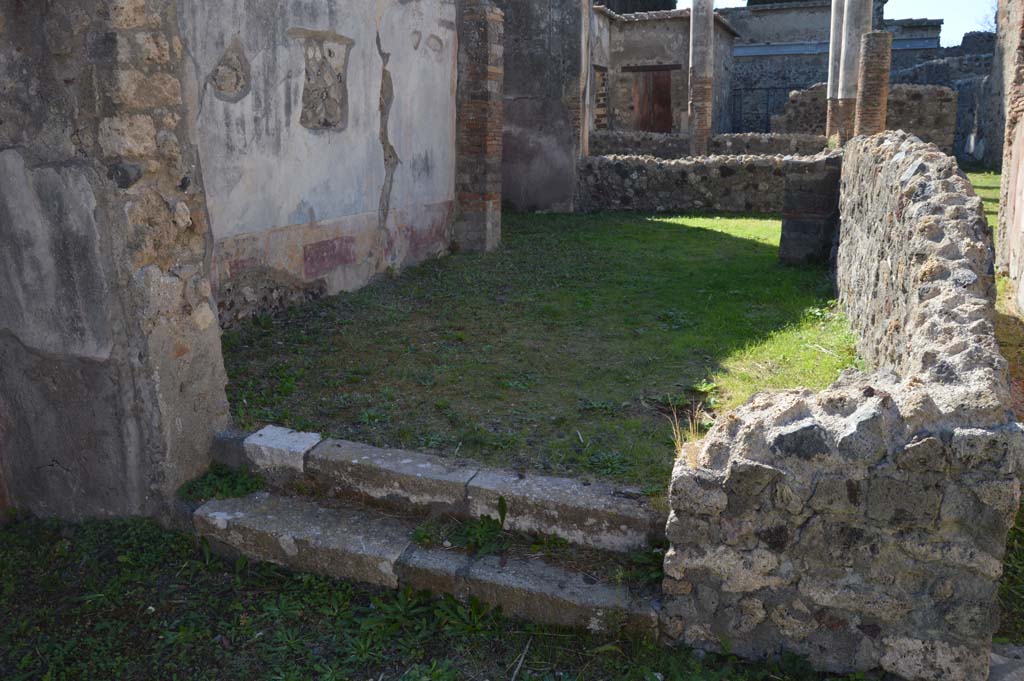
x: 366, y: 546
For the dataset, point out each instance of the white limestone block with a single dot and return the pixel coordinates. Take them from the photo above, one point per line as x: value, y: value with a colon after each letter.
x: 276, y: 447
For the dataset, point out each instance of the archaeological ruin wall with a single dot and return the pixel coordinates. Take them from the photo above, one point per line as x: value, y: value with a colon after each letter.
x: 670, y: 146
x: 543, y: 59
x: 111, y: 377
x: 743, y: 183
x: 927, y: 111
x: 864, y: 526
x: 1009, y: 79
x: 328, y: 140
x: 648, y: 55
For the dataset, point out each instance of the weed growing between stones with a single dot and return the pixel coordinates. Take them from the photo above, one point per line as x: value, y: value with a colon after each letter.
x: 221, y: 482
x: 127, y: 600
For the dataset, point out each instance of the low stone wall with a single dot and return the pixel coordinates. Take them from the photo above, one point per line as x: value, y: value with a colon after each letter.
x: 768, y: 144
x: 864, y: 526
x: 660, y: 145
x: 718, y: 183
x: 927, y: 111
x: 657, y: 144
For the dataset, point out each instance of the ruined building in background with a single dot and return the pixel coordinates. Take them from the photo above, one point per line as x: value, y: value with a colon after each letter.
x: 784, y: 46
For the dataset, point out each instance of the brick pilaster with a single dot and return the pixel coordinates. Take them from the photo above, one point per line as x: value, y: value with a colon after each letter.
x: 873, y: 83
x: 479, y: 126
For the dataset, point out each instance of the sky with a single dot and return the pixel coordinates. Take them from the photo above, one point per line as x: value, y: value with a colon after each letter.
x: 961, y: 16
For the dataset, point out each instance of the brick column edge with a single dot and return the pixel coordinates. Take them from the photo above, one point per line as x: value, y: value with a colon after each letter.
x: 479, y: 127
x: 873, y: 83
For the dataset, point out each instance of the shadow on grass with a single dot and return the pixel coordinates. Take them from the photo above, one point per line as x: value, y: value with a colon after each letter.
x: 562, y: 352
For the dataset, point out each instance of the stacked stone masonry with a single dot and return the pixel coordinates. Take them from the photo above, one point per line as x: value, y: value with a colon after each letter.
x: 873, y: 91
x: 111, y: 377
x: 663, y: 145
x: 927, y: 111
x: 718, y: 183
x: 1009, y: 76
x: 864, y: 526
x: 479, y: 127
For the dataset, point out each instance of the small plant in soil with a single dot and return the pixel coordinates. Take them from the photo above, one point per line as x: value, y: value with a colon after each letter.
x: 221, y: 482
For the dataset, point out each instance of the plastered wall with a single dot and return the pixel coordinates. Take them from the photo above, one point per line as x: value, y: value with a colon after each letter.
x: 327, y: 131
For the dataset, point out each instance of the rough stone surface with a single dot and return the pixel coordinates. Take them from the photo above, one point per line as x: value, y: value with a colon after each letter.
x: 599, y: 515
x: 328, y: 137
x: 873, y: 90
x: 542, y: 102
x: 342, y: 543
x: 810, y: 211
x: 1009, y: 78
x: 479, y: 126
x: 927, y: 111
x: 670, y: 146
x: 722, y: 183
x: 407, y: 480
x: 864, y: 526
x: 369, y: 547
x: 274, y: 447
x: 111, y: 378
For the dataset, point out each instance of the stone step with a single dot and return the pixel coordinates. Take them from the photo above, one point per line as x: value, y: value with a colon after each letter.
x: 598, y: 515
x: 364, y: 545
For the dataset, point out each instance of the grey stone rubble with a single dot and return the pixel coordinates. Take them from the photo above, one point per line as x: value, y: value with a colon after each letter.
x: 372, y: 548
x: 864, y: 526
x: 674, y: 145
x: 722, y: 183
x: 598, y: 515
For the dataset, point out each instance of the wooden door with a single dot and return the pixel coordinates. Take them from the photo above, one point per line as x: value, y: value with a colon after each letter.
x: 652, y: 101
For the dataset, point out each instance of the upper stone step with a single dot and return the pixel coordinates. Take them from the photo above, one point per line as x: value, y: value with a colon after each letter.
x: 366, y: 546
x: 594, y: 514
x: 598, y: 515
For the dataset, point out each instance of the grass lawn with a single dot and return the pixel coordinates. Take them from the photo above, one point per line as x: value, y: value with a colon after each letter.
x: 986, y: 184
x: 565, y: 352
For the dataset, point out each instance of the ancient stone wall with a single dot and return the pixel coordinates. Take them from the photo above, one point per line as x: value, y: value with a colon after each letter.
x: 479, y: 127
x: 543, y: 62
x: 659, y: 145
x: 716, y: 183
x: 864, y: 526
x: 1008, y: 78
x: 327, y: 137
x: 784, y: 46
x: 928, y: 111
x: 645, y: 42
x: 111, y: 378
x: 756, y: 144
x: 629, y: 143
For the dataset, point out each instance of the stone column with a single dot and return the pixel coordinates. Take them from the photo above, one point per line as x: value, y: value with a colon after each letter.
x: 856, y: 22
x: 111, y: 376
x: 479, y: 126
x: 873, y: 88
x: 702, y: 75
x: 835, y: 56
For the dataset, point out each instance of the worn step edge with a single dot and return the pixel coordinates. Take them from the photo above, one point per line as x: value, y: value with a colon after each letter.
x: 598, y: 515
x: 368, y: 547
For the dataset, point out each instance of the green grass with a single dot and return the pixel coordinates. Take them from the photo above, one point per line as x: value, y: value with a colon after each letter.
x: 126, y: 600
x: 1010, y: 334
x: 221, y: 482
x: 986, y: 184
x: 563, y: 352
